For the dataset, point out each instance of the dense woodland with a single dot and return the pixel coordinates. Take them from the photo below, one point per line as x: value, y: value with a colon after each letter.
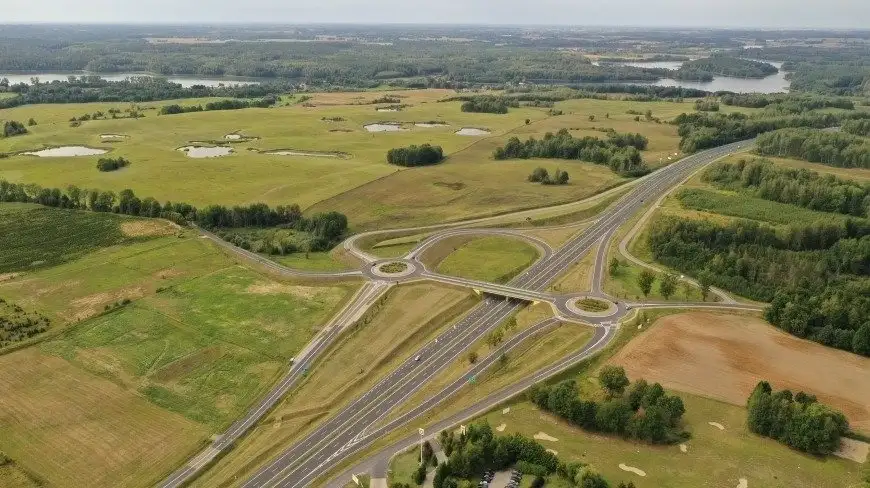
x: 643, y: 411
x: 705, y: 68
x: 785, y: 104
x: 136, y: 89
x: 799, y: 421
x: 703, y: 130
x: 323, y: 230
x: 857, y: 127
x: 830, y: 148
x: 816, y: 276
x: 423, y: 155
x: 620, y: 151
x: 802, y: 187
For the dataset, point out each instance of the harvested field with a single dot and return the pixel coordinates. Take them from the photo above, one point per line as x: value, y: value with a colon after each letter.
x: 76, y: 429
x: 725, y: 356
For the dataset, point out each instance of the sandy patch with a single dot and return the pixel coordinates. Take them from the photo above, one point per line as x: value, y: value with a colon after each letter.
x: 501, y: 427
x: 553, y: 452
x: 146, y: 228
x: 88, y: 306
x: 274, y: 288
x: 684, y: 448
x: 8, y: 276
x: 743, y: 483
x: 506, y: 411
x: 854, y: 450
x: 724, y: 356
x: 632, y: 469
x: 717, y: 425
x: 541, y: 436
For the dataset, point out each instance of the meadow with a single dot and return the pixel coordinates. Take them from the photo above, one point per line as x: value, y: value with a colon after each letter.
x: 493, y: 259
x: 363, y: 186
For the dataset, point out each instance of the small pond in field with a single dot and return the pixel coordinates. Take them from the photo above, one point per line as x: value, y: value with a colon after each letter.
x: 66, y: 152
x: 384, y: 128
x: 206, y: 152
x: 472, y: 131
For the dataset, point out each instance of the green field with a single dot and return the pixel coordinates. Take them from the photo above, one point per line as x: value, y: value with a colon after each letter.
x: 371, y: 192
x: 493, y: 259
x: 744, y: 206
x: 33, y: 236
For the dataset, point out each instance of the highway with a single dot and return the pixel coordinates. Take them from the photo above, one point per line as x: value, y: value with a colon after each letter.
x: 335, y: 439
x: 352, y: 429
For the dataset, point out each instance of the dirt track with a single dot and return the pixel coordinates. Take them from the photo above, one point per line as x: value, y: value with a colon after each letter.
x: 724, y: 357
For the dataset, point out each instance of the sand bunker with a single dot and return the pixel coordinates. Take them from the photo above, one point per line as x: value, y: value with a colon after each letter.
x: 388, y: 110
x: 206, y: 152
x: 684, y: 448
x: 113, y: 136
x: 67, y: 151
x: 541, y: 436
x: 8, y: 276
x: 854, y: 450
x: 743, y: 483
x: 384, y: 128
x: 506, y: 411
x: 233, y: 137
x: 501, y: 427
x: 717, y: 425
x: 472, y: 131
x: 632, y: 469
x: 429, y: 125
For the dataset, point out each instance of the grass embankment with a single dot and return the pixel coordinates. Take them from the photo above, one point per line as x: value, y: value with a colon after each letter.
x: 410, y: 316
x: 494, y: 259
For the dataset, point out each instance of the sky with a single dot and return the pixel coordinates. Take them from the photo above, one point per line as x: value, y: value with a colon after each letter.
x: 656, y: 13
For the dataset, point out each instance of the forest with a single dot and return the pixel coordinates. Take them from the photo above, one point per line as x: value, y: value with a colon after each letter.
x: 136, y: 89
x: 703, y: 130
x: 620, y: 151
x: 802, y: 187
x: 786, y: 103
x: 799, y: 421
x: 829, y: 148
x: 857, y: 127
x: 719, y: 64
x: 816, y: 276
x: 413, y: 155
x: 642, y: 411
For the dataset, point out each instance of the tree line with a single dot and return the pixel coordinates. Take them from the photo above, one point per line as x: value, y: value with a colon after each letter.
x: 230, y: 104
x: 815, y: 275
x: 489, y: 104
x: 620, y: 152
x: 799, y: 421
x: 112, y: 164
x: 829, y: 148
x: 13, y: 128
x: 135, y: 90
x: 786, y: 103
x: 703, y: 69
x: 802, y: 187
x: 325, y: 228
x: 643, y: 411
x: 423, y: 155
x: 703, y: 130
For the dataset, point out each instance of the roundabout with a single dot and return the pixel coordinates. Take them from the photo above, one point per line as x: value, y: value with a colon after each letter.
x: 393, y: 269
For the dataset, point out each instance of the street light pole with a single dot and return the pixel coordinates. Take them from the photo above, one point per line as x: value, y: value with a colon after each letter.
x: 422, y: 433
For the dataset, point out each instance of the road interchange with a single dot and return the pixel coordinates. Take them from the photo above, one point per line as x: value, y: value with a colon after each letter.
x: 354, y: 427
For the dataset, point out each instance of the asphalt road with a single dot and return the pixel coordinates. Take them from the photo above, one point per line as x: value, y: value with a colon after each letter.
x: 339, y: 437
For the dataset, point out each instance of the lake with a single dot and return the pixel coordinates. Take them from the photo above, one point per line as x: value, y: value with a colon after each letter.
x: 769, y: 84
x: 185, y: 81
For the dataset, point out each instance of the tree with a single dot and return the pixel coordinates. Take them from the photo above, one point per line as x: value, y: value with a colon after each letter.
x: 589, y: 478
x: 687, y: 289
x: 31, y: 122
x: 861, y: 340
x: 613, y: 416
x: 613, y: 379
x: 472, y: 357
x: 420, y: 474
x: 528, y: 121
x: 705, y: 280
x: 539, y: 175
x: 495, y: 337
x: 645, y: 280
x: 442, y: 472
x: 614, y: 266
x: 668, y: 285
x: 636, y: 392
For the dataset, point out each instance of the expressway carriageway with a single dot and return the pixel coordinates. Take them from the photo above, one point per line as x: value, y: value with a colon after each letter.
x: 332, y: 443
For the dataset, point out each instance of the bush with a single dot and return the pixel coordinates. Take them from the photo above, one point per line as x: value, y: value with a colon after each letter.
x: 13, y: 128
x: 112, y: 164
